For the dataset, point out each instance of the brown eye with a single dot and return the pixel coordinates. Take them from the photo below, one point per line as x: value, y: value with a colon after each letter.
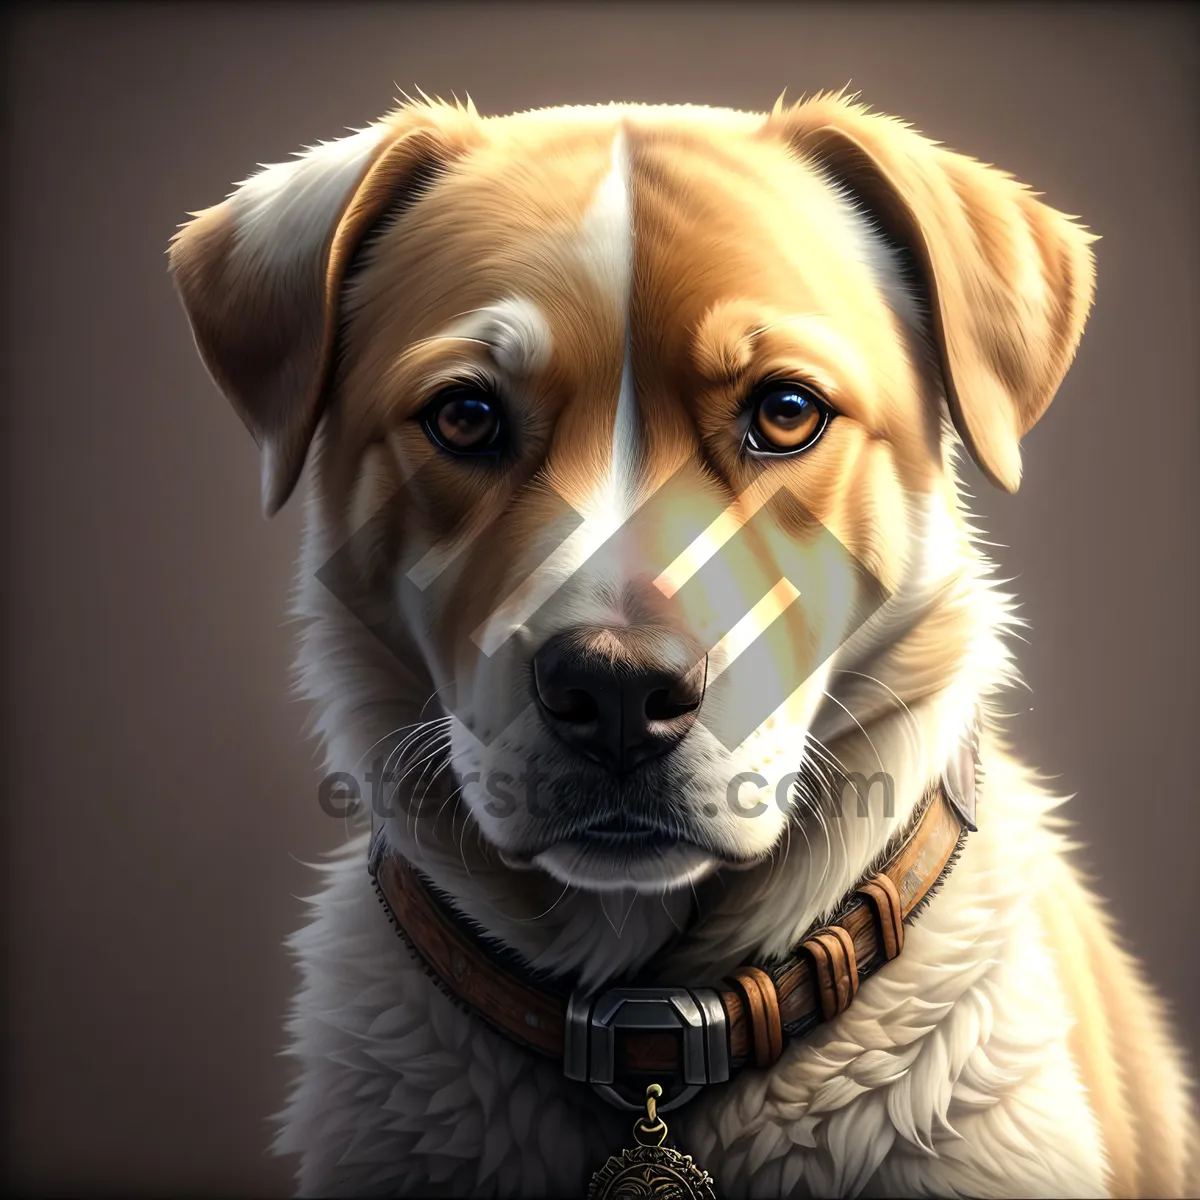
x: 787, y: 417
x: 464, y: 420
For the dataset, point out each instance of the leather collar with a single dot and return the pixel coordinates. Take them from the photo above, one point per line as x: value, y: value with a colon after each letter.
x: 624, y: 1037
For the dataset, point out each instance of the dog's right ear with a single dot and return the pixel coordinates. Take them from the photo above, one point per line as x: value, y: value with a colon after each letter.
x: 1007, y: 279
x: 261, y: 273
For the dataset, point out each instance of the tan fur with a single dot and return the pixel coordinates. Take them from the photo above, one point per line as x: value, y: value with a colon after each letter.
x: 624, y: 275
x: 1011, y: 279
x: 1138, y: 1086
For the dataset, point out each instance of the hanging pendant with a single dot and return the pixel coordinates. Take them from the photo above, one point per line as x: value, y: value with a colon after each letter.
x: 650, y: 1169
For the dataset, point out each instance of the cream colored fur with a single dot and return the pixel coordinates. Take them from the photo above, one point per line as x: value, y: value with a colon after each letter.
x: 1013, y: 1049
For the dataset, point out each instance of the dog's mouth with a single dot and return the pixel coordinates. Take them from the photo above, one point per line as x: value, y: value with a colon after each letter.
x: 619, y: 852
x: 638, y: 842
x: 629, y: 834
x: 626, y: 852
x: 620, y: 836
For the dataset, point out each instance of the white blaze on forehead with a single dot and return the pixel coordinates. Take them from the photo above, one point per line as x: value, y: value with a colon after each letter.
x: 604, y: 247
x: 604, y: 243
x: 621, y: 489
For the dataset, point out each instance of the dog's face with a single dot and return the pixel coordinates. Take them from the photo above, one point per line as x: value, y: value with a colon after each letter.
x: 636, y: 419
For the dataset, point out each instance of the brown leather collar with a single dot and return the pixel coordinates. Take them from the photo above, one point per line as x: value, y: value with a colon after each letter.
x: 694, y: 1036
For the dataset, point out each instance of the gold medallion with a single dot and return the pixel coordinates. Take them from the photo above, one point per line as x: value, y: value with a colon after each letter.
x: 650, y: 1169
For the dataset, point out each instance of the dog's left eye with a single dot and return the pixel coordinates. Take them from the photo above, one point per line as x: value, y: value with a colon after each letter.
x: 463, y: 420
x: 785, y: 418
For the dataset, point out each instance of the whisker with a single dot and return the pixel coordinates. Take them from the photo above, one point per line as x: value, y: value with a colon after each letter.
x: 879, y: 682
x: 529, y: 920
x: 856, y: 721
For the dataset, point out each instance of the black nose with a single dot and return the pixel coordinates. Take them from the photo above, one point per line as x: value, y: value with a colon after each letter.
x: 620, y: 696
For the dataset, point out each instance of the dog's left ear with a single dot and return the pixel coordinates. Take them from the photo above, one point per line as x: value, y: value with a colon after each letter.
x: 1009, y: 280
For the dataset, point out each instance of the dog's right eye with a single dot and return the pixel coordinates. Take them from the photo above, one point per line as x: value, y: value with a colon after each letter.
x: 464, y: 419
x: 786, y: 418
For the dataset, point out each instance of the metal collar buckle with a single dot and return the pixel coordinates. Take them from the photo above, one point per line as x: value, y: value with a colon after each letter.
x: 589, y: 1052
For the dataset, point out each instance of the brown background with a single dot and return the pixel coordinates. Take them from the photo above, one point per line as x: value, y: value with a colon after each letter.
x: 160, y: 793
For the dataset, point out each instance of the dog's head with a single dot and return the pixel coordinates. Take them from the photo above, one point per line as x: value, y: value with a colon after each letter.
x: 631, y: 420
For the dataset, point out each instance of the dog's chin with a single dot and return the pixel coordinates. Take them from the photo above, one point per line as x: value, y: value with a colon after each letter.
x: 624, y: 865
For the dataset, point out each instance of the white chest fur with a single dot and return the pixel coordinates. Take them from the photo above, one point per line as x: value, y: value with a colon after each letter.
x: 950, y: 1073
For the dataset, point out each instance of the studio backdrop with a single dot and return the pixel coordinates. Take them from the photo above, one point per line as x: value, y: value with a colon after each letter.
x: 161, y: 793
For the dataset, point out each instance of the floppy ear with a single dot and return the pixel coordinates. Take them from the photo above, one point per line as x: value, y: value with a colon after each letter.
x: 1009, y: 280
x: 261, y: 274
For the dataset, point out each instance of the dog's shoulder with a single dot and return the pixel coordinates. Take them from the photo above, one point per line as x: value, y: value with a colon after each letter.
x: 1123, y: 1042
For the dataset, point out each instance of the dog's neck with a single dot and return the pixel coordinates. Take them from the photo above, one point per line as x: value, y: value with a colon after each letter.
x: 899, y: 705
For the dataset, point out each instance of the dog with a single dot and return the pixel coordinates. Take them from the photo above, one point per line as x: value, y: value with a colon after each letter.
x: 581, y: 393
